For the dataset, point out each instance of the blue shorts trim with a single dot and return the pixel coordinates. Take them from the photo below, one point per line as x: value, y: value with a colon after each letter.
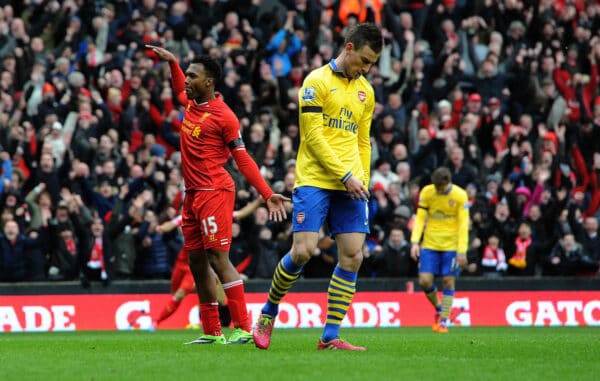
x: 438, y: 262
x: 315, y: 206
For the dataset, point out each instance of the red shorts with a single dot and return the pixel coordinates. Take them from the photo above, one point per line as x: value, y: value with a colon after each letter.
x: 206, y: 219
x: 182, y: 278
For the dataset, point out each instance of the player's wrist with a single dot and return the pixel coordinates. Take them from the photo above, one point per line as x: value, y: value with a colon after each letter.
x: 461, y: 254
x: 346, y: 177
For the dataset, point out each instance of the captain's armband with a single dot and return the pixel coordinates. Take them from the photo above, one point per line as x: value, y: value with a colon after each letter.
x: 235, y: 143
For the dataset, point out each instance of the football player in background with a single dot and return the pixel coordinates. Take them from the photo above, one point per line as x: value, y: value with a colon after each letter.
x: 443, y: 224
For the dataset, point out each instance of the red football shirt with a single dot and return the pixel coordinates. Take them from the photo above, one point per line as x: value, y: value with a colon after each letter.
x: 206, y: 130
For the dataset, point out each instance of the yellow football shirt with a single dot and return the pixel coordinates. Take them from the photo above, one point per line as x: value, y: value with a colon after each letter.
x: 445, y: 219
x: 335, y: 120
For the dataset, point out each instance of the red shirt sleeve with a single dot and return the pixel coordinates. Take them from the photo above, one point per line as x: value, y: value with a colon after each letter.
x: 251, y: 172
x: 245, y: 163
x: 177, y: 80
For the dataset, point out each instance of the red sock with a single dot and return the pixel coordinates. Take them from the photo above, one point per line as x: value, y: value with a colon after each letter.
x: 236, y: 301
x: 209, y: 316
x: 168, y: 310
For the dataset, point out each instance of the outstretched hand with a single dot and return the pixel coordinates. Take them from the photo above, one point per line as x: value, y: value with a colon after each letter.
x: 162, y: 53
x: 276, y: 206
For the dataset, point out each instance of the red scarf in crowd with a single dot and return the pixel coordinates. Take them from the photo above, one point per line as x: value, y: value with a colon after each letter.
x: 492, y: 257
x: 97, y: 256
x: 70, y: 244
x: 519, y: 259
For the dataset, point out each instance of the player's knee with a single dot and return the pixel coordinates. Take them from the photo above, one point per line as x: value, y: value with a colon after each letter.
x: 448, y: 283
x: 354, y: 257
x: 350, y: 260
x: 425, y: 283
x: 301, y: 253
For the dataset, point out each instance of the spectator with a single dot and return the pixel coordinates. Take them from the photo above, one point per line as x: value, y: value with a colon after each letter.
x: 462, y: 174
x: 152, y: 261
x: 124, y: 218
x: 587, y: 235
x: 493, y: 262
x: 96, y: 254
x: 19, y: 254
x: 282, y: 47
x: 64, y: 263
x: 394, y: 259
x: 383, y: 174
x: 266, y: 255
x: 65, y: 230
x: 40, y: 206
x: 567, y: 258
x: 523, y: 260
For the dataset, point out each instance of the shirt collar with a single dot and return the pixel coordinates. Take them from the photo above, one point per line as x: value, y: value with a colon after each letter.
x: 447, y: 191
x: 206, y: 103
x: 338, y: 71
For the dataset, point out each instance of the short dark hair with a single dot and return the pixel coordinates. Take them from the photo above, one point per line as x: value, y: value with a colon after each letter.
x: 441, y: 176
x: 365, y: 34
x: 212, y: 67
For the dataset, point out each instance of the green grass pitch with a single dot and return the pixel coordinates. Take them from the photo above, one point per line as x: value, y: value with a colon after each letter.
x: 393, y: 354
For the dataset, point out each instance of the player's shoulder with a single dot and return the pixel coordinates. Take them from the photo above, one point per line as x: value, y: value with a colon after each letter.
x: 427, y: 192
x: 222, y: 108
x: 320, y: 72
x: 318, y: 75
x: 428, y: 189
x: 459, y: 192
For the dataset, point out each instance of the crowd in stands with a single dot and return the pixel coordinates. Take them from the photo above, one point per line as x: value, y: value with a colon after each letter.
x: 503, y: 92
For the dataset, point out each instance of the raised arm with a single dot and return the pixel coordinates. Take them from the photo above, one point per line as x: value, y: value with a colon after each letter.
x: 177, y: 75
x: 248, y: 209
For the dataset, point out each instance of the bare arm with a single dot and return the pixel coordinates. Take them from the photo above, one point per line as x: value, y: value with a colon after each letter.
x: 248, y: 209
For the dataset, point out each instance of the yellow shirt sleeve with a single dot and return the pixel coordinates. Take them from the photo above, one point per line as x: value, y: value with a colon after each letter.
x: 463, y: 225
x: 311, y: 101
x: 421, y: 217
x: 364, y: 139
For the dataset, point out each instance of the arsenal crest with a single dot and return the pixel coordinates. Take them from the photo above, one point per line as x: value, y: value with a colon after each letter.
x: 451, y: 202
x: 362, y: 96
x: 300, y: 217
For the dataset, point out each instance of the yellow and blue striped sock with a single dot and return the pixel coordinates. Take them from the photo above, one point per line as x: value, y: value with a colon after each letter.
x: 447, y: 299
x: 284, y: 278
x: 432, y: 295
x: 342, y: 287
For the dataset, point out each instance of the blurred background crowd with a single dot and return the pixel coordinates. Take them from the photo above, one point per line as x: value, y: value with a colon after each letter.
x: 504, y: 93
